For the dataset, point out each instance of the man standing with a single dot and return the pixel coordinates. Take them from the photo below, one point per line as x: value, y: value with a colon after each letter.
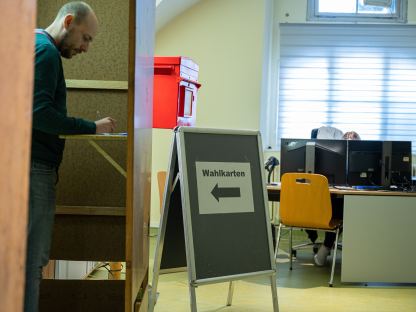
x: 71, y: 33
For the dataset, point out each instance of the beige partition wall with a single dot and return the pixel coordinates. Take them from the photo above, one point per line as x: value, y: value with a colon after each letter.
x: 103, y: 213
x: 16, y: 79
x: 86, y: 178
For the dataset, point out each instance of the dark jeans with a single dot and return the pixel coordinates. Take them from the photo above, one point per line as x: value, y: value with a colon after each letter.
x: 337, y: 213
x: 39, y: 232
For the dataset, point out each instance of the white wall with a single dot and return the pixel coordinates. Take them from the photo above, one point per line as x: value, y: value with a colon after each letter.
x: 225, y: 38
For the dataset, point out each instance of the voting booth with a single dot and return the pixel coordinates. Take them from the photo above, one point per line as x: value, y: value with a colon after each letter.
x: 215, y: 220
x: 175, y: 87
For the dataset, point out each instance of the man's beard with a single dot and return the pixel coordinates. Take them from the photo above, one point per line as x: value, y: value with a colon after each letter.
x: 65, y: 48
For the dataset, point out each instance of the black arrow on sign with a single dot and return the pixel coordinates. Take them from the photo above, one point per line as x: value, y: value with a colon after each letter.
x: 218, y: 192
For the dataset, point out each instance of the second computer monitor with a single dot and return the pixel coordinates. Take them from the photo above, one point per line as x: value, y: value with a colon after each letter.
x: 364, y: 162
x: 397, y: 163
x: 326, y: 157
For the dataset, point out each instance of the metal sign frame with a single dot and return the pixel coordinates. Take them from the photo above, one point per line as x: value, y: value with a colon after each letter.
x: 178, y: 156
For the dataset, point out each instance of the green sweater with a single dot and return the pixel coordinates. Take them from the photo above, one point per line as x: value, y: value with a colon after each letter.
x: 49, y: 104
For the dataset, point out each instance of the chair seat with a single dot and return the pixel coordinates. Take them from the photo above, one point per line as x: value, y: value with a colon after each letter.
x: 333, y: 224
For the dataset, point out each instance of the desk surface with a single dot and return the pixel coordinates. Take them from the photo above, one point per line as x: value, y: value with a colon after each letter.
x: 275, y: 189
x: 101, y: 137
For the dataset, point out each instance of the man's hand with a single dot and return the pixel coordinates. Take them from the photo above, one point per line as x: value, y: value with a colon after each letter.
x: 105, y: 125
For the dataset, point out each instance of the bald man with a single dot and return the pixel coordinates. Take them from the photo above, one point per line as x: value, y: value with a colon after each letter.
x: 71, y: 33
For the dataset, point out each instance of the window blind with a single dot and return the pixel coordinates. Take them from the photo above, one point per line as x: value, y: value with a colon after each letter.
x: 354, y: 77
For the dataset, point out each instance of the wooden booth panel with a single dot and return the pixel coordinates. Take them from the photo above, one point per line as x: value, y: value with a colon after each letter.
x: 94, y: 104
x: 86, y: 178
x: 79, y: 295
x: 88, y: 238
x: 16, y: 78
x: 139, y: 155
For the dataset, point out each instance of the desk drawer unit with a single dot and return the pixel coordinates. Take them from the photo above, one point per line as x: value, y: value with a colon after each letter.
x: 378, y: 239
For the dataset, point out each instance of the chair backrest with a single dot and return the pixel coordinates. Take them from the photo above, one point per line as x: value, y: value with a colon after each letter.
x: 305, y: 200
x: 161, y: 180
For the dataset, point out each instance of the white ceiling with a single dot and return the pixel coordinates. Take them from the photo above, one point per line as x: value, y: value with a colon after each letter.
x: 167, y: 10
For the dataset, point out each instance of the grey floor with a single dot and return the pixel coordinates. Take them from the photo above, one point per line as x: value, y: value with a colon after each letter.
x: 305, y: 288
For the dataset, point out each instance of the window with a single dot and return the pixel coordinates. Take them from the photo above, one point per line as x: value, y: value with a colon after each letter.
x: 390, y: 11
x: 353, y: 77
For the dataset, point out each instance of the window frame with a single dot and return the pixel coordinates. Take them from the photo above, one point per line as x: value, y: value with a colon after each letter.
x: 399, y: 17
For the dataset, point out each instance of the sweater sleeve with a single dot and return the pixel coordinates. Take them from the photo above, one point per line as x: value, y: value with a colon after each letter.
x: 46, y: 117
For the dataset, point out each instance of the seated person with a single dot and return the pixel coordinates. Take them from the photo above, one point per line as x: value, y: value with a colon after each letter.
x: 337, y: 203
x: 351, y: 135
x: 330, y: 133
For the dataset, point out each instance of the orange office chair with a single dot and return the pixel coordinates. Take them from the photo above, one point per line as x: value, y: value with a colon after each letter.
x: 305, y: 203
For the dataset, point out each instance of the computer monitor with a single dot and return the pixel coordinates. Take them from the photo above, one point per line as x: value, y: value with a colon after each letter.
x: 292, y: 155
x: 397, y: 163
x: 364, y: 162
x: 326, y: 157
x: 331, y: 160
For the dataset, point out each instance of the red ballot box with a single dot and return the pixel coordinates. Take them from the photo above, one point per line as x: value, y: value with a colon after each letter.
x: 175, y: 89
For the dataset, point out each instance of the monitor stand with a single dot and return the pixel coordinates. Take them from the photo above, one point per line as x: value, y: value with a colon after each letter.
x: 386, y: 164
x: 310, y: 157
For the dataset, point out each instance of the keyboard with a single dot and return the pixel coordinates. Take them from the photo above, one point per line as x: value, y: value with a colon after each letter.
x: 362, y: 187
x: 392, y: 188
x: 370, y: 187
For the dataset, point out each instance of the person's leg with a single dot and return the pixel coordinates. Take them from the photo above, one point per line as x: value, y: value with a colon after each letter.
x: 40, y: 225
x: 329, y: 239
x: 312, y: 235
x: 324, y: 250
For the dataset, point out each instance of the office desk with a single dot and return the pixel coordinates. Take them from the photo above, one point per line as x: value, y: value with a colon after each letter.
x: 378, y: 238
